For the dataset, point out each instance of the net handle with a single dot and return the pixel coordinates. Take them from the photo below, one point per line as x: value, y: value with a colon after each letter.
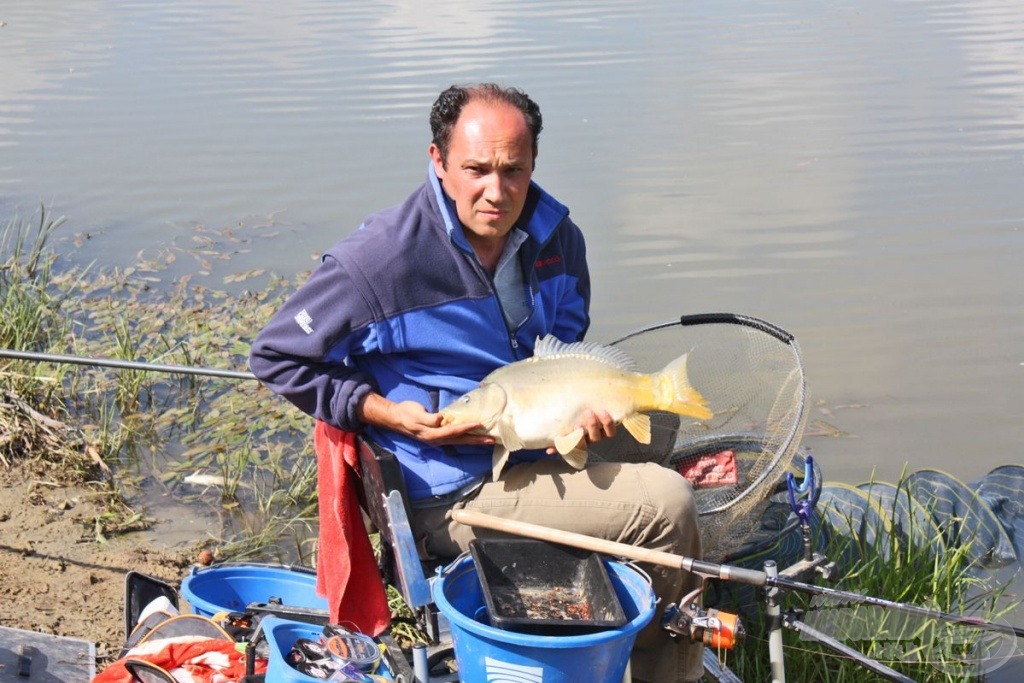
x: 718, y: 318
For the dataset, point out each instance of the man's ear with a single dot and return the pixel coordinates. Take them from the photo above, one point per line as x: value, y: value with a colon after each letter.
x: 435, y: 155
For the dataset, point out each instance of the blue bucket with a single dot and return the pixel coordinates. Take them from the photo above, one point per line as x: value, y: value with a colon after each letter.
x: 486, y: 653
x: 231, y: 588
x: 281, y: 636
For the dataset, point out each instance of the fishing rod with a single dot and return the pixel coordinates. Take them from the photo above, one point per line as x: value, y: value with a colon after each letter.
x: 124, y: 364
x: 241, y: 375
x: 753, y: 577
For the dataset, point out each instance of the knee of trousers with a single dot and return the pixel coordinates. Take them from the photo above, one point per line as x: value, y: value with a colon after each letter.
x: 674, y: 499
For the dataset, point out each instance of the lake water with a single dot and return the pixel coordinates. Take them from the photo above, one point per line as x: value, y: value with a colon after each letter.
x: 852, y: 172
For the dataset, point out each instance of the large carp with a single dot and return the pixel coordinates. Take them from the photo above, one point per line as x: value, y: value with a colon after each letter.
x: 538, y: 402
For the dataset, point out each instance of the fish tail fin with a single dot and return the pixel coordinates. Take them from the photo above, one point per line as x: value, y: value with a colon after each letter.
x: 677, y: 394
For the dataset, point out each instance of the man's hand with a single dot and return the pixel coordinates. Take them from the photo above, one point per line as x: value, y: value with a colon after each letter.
x: 412, y: 419
x: 596, y: 426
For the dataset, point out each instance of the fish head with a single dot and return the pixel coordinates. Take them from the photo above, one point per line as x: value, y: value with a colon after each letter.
x: 484, y: 405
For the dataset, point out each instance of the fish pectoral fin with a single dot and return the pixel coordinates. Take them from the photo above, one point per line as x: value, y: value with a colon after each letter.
x: 577, y: 457
x: 508, y: 437
x: 498, y: 461
x: 567, y: 443
x: 639, y: 427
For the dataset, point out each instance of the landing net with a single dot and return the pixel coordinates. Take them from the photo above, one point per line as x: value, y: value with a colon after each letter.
x: 751, y: 374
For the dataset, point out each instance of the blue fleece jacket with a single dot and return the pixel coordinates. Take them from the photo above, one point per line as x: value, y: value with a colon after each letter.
x: 403, y: 307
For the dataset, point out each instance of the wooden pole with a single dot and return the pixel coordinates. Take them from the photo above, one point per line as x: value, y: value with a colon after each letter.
x: 597, y: 545
x: 600, y: 545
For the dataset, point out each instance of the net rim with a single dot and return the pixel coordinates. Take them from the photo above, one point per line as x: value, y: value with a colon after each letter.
x: 790, y: 442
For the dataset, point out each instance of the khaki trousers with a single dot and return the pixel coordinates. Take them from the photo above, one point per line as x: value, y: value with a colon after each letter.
x: 643, y: 504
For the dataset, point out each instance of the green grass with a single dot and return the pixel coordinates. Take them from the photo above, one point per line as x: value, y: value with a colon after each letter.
x: 145, y: 424
x: 925, y: 650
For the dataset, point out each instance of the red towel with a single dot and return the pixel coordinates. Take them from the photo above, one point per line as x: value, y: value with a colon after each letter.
x: 185, y: 658
x: 346, y: 572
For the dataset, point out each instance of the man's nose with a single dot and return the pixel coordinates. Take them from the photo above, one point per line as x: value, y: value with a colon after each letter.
x: 494, y: 188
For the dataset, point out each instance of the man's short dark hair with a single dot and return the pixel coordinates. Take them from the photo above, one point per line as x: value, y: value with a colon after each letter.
x: 449, y: 104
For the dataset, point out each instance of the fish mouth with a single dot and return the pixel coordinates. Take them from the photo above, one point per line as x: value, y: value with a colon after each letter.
x: 449, y: 418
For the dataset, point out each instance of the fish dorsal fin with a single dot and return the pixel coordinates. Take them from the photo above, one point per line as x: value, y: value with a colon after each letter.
x: 552, y: 347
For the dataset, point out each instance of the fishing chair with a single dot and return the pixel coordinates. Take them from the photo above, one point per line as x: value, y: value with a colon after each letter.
x: 387, y: 505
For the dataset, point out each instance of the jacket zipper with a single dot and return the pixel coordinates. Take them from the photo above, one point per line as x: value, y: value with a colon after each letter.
x: 512, y: 341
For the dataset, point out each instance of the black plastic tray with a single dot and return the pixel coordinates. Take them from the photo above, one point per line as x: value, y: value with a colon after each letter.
x: 544, y: 588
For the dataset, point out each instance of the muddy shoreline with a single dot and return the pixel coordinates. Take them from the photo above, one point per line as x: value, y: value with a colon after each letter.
x: 56, y: 576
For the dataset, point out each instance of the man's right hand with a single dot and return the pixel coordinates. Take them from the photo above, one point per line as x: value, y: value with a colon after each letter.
x: 412, y: 419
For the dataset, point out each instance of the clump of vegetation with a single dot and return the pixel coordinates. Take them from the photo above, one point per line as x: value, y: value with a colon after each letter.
x: 119, y: 430
x: 32, y: 417
x: 900, y: 570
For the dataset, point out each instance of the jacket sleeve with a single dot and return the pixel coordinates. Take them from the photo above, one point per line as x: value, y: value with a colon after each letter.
x: 304, y: 352
x: 572, y: 318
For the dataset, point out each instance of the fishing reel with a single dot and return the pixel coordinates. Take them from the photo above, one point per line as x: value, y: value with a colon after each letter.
x: 713, y: 627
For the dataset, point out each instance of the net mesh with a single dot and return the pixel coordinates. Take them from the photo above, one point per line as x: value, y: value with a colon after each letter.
x: 751, y: 374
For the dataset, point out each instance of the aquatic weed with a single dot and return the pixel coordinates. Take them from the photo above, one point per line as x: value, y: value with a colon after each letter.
x: 901, y: 568
x: 152, y: 425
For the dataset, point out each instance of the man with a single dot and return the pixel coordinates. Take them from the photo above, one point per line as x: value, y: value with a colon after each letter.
x: 427, y: 298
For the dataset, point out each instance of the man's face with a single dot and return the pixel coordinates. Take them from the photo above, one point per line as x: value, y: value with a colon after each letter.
x: 490, y: 162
